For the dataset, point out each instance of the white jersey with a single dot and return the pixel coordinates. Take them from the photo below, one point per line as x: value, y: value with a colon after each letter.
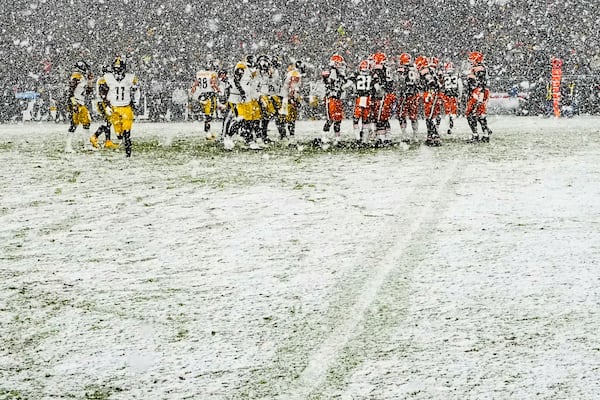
x: 291, y: 84
x: 246, y: 83
x: 205, y: 83
x: 262, y: 82
x: 81, y: 88
x: 122, y: 92
x: 452, y: 84
x: 275, y: 83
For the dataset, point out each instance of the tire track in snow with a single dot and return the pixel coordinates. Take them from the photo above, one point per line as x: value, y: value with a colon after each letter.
x: 321, y: 360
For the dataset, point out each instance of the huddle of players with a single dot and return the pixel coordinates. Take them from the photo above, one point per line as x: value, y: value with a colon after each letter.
x: 381, y: 93
x: 250, y: 99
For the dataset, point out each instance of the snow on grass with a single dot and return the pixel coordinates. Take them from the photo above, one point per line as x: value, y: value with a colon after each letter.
x: 466, y: 271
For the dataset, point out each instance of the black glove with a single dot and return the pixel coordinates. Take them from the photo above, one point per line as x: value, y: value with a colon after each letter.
x: 73, y: 105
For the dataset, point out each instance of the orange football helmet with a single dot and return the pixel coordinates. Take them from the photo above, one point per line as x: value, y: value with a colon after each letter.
x: 364, y: 65
x: 404, y: 59
x: 336, y: 60
x: 379, y: 58
x: 421, y: 62
x: 475, y: 57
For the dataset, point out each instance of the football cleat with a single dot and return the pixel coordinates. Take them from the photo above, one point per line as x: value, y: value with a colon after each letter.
x: 485, y: 139
x: 211, y: 136
x: 94, y: 141
x: 473, y: 139
x: 228, y: 143
x: 254, y: 146
x: 108, y: 144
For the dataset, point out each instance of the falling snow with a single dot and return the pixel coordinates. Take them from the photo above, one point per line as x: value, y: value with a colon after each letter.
x: 465, y: 271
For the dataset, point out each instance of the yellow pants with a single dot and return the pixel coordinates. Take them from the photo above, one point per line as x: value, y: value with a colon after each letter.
x: 249, y: 111
x: 122, y: 119
x: 82, y: 116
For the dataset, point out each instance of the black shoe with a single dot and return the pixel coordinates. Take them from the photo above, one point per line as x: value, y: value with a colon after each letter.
x: 474, y: 139
x: 485, y: 139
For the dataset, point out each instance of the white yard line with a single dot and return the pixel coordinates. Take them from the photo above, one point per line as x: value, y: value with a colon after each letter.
x: 323, y: 357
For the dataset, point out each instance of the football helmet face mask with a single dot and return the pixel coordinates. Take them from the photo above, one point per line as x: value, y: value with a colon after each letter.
x: 106, y: 69
x: 250, y: 61
x: 295, y: 75
x: 119, y: 67
x: 364, y: 65
x: 276, y: 62
x: 300, y: 67
x: 82, y: 66
x: 263, y: 63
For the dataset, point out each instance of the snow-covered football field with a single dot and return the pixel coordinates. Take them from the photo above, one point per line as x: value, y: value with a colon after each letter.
x: 187, y: 272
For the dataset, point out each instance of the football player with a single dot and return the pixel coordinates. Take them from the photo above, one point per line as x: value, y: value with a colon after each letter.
x: 363, y: 89
x: 383, y: 98
x: 80, y: 86
x: 243, y: 101
x: 334, y: 78
x: 451, y: 90
x: 291, y: 99
x: 409, y: 97
x: 265, y: 82
x: 104, y: 111
x: 122, y: 96
x: 431, y: 99
x: 479, y: 93
x: 203, y: 96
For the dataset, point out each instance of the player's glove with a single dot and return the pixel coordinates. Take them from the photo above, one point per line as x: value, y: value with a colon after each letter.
x: 73, y: 105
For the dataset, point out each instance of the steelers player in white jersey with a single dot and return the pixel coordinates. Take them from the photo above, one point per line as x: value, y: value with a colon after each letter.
x: 203, y: 96
x: 80, y: 86
x: 104, y: 111
x: 122, y: 96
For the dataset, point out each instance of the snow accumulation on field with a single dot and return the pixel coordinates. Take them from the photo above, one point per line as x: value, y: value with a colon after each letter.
x: 189, y: 272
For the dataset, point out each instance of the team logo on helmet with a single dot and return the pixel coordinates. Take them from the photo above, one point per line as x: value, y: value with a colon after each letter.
x: 119, y: 65
x: 336, y: 60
